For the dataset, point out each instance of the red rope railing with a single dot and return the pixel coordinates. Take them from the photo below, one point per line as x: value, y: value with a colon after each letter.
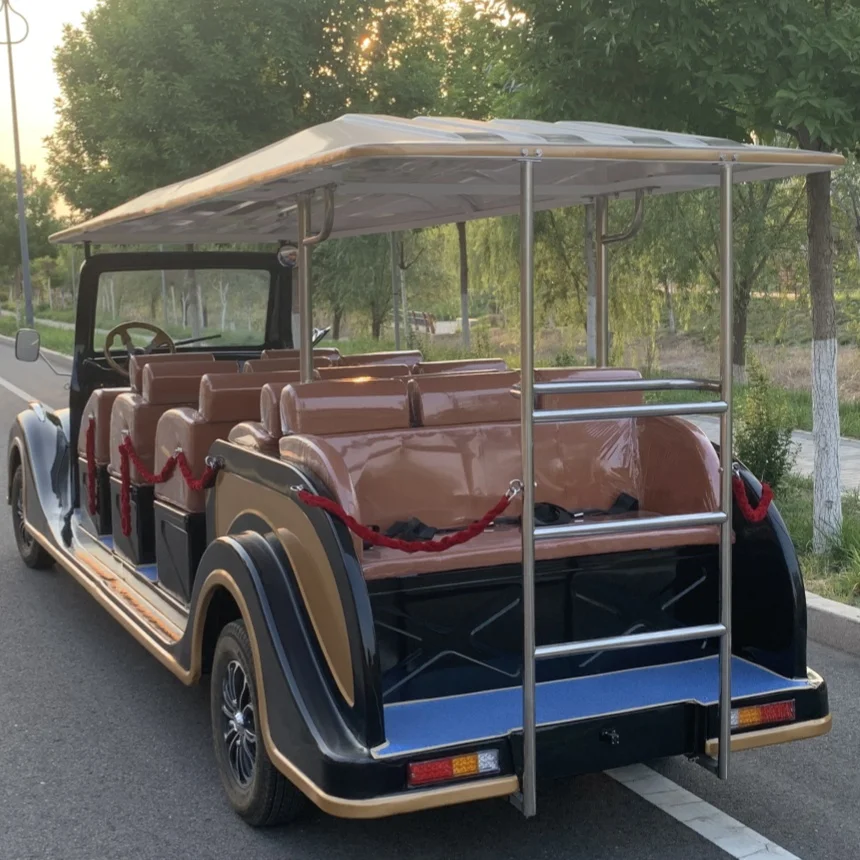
x: 751, y: 514
x: 129, y: 456
x: 374, y: 538
x: 92, y: 499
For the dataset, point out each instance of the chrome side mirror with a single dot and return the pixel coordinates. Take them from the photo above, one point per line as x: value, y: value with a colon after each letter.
x: 27, y: 344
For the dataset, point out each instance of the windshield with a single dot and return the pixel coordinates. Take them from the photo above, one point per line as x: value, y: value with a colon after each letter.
x: 228, y: 305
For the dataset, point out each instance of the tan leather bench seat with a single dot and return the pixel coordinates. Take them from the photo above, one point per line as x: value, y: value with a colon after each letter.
x: 331, y: 351
x: 464, y: 365
x: 409, y: 357
x: 98, y: 408
x: 455, y: 467
x: 263, y: 435
x: 224, y: 402
x: 371, y: 371
x: 267, y: 365
x: 164, y: 385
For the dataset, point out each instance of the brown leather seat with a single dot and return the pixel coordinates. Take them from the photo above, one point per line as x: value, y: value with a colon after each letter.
x: 409, y: 357
x: 224, y: 402
x: 454, y: 468
x: 263, y: 435
x: 137, y: 363
x: 98, y: 408
x: 372, y: 371
x: 267, y: 365
x: 331, y: 352
x: 464, y: 365
x: 164, y: 385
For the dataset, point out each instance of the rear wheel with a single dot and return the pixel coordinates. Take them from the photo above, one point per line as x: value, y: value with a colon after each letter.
x: 256, y: 790
x: 31, y: 551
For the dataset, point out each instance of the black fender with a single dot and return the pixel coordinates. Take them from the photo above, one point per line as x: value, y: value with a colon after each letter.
x: 768, y: 595
x: 307, y: 735
x: 39, y: 440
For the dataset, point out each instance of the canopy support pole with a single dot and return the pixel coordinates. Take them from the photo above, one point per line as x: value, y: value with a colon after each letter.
x: 726, y: 362
x: 528, y: 798
x: 601, y: 228
x: 306, y: 357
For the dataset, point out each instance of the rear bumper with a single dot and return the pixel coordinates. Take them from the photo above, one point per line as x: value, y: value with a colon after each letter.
x: 563, y: 750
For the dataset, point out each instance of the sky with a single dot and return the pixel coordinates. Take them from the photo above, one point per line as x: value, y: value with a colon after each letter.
x: 35, y: 84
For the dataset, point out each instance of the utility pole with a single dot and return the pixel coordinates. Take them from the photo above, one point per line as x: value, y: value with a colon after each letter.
x: 19, y: 175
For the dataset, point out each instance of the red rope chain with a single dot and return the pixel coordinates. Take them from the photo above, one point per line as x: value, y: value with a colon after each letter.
x: 92, y: 502
x: 128, y: 455
x: 374, y: 538
x: 751, y: 514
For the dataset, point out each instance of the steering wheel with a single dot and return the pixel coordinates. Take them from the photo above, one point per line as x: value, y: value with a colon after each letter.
x: 160, y: 338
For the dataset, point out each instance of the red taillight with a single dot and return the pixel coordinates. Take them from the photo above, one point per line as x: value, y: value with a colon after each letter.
x: 453, y: 767
x: 759, y: 715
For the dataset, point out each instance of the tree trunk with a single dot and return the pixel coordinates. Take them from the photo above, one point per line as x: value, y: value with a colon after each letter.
x: 591, y: 272
x: 827, y: 498
x: 194, y: 310
x: 337, y: 319
x: 375, y: 325
x: 739, y: 342
x: 464, y: 284
x: 670, y: 307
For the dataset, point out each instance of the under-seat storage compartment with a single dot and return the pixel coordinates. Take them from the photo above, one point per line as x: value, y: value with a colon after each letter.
x: 139, y: 545
x: 180, y: 539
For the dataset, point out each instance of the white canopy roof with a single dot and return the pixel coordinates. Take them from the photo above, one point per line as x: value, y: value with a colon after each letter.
x: 395, y: 174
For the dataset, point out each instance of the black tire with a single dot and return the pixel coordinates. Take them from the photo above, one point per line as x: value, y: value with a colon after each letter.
x: 31, y: 551
x: 261, y: 795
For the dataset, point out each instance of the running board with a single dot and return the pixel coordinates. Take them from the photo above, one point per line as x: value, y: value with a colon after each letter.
x: 422, y: 726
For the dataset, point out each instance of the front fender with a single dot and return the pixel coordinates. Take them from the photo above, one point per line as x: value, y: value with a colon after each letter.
x: 39, y: 441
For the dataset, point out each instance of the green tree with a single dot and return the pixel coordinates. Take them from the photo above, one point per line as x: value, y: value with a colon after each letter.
x: 153, y: 91
x: 732, y: 68
x: 42, y: 220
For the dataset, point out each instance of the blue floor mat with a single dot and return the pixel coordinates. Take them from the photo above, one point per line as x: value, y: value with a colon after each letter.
x: 431, y: 723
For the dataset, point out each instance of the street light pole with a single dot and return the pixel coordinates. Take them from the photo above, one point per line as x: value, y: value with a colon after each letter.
x: 19, y: 175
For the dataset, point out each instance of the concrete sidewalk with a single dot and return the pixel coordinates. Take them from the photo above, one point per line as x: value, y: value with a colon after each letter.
x: 849, y: 452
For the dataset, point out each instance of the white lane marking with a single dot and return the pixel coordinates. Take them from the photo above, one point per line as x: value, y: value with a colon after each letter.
x: 18, y: 392
x: 736, y: 839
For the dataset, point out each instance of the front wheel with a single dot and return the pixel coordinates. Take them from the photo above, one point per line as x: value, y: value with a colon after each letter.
x: 256, y: 790
x: 29, y: 548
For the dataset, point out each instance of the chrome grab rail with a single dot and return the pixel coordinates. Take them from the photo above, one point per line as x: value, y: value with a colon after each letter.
x: 642, y: 524
x: 631, y: 640
x: 591, y: 386
x: 648, y: 410
x: 528, y: 390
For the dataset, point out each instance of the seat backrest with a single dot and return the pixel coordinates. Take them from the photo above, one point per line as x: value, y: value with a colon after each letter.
x: 372, y: 371
x: 266, y: 365
x: 460, y: 365
x: 331, y: 351
x: 329, y: 408
x: 445, y: 400
x: 587, y: 399
x: 173, y: 385
x: 137, y: 362
x: 409, y: 357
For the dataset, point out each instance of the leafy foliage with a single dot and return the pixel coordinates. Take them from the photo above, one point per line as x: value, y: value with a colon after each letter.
x: 763, y: 431
x: 41, y: 220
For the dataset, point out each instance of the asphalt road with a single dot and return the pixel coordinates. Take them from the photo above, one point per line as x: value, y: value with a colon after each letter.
x: 103, y: 754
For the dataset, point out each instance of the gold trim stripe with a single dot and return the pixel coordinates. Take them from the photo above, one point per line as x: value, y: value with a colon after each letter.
x: 777, y: 735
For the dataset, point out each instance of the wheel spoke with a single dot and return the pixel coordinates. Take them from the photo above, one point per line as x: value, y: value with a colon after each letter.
x: 239, y: 727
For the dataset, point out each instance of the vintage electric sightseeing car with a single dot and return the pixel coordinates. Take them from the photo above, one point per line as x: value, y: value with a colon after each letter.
x: 411, y: 583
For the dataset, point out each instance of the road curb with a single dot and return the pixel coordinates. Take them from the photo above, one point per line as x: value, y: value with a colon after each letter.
x: 834, y: 624
x: 52, y: 352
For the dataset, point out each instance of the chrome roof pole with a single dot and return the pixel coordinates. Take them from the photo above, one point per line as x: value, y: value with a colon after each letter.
x: 726, y: 361
x: 306, y: 322
x: 527, y: 273
x: 601, y: 229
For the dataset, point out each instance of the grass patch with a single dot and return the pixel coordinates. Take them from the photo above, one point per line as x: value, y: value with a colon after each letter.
x: 837, y: 574
x: 61, y: 340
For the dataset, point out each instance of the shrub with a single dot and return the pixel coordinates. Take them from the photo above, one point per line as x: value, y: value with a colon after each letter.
x: 763, y: 428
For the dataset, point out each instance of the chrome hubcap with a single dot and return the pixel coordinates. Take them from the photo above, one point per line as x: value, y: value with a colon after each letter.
x: 25, y: 539
x: 239, y: 727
